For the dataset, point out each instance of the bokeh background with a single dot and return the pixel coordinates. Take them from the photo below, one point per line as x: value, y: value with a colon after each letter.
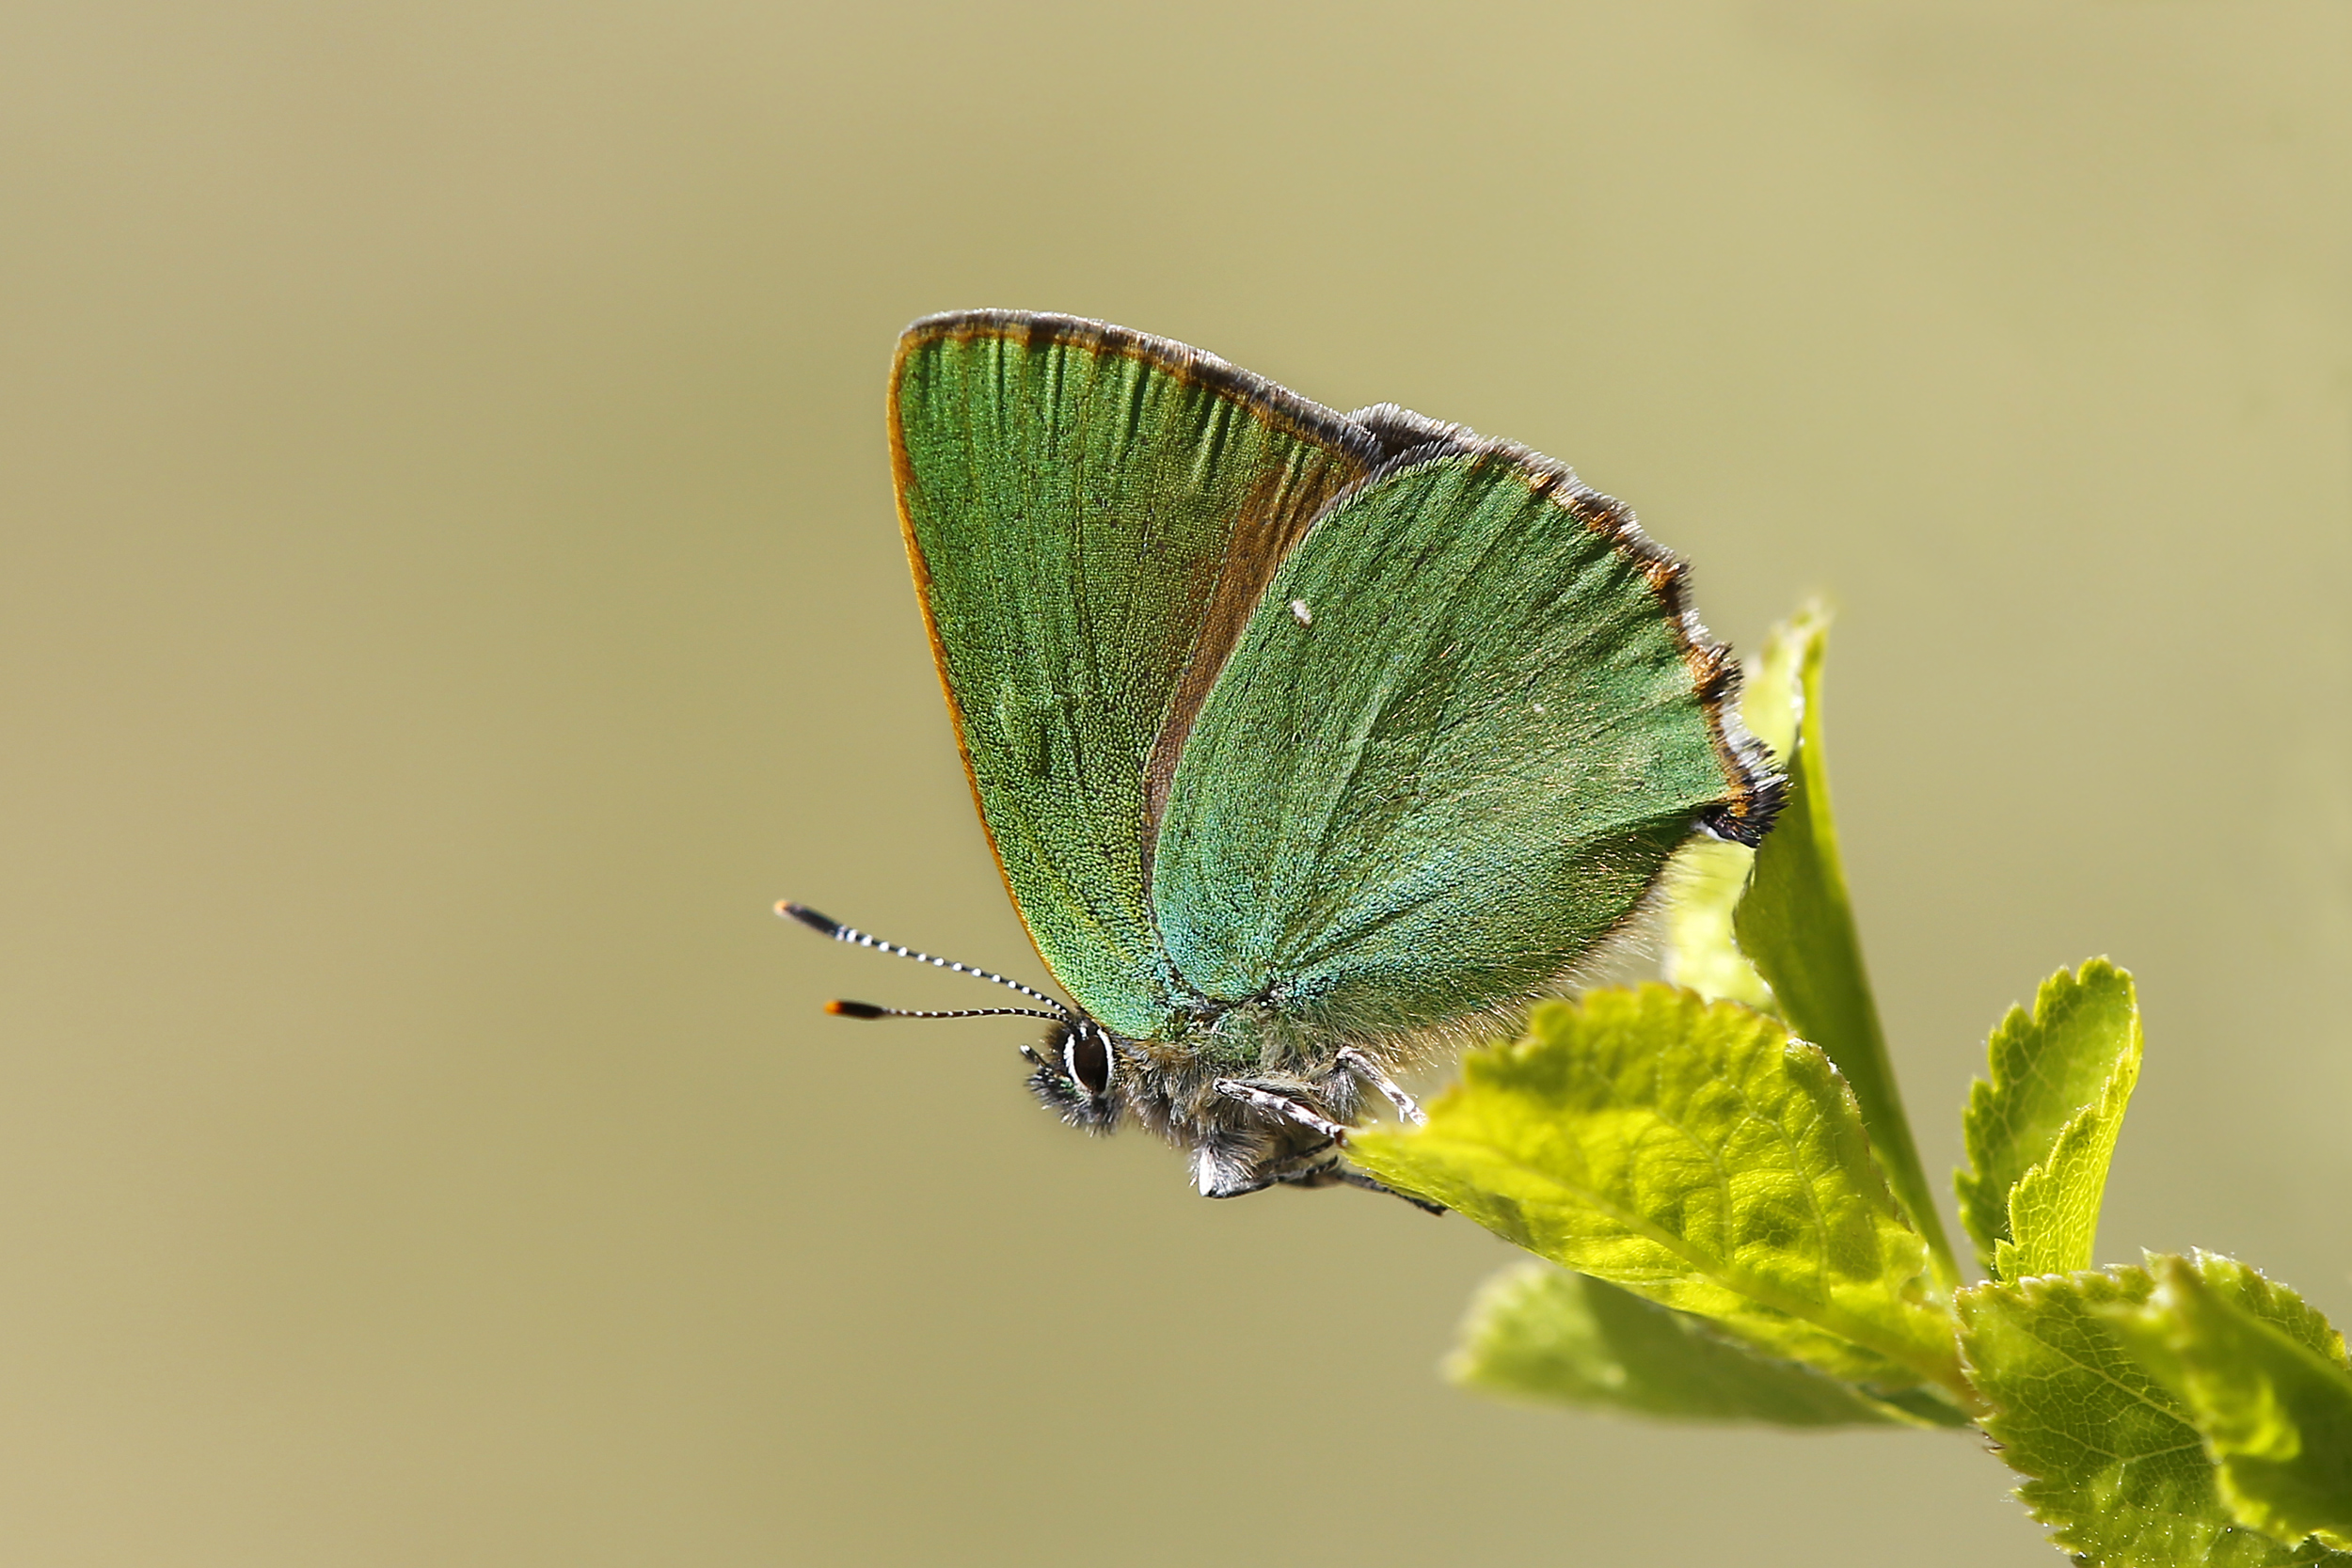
x: 451, y: 589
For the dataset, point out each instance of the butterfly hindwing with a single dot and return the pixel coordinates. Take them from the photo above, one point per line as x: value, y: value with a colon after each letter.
x: 1450, y: 752
x: 1092, y: 514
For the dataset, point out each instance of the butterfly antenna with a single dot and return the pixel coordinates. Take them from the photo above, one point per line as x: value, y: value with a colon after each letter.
x: 839, y: 932
x: 867, y: 1010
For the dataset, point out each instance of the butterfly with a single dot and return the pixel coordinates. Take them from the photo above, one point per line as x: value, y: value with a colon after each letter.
x: 1307, y: 743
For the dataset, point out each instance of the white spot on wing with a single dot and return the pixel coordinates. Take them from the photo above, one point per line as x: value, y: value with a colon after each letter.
x: 1301, y: 613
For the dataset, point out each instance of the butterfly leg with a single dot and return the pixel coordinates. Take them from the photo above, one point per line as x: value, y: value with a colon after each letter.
x: 1283, y: 1106
x: 1326, y: 1169
x: 1328, y: 1172
x: 1357, y: 1178
x: 1370, y: 1071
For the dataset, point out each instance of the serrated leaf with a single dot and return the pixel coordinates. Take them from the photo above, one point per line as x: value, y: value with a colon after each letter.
x: 1709, y: 876
x: 1535, y: 1332
x: 1796, y: 924
x: 2274, y: 1405
x: 2040, y: 1134
x: 1698, y: 1155
x: 2113, y: 1463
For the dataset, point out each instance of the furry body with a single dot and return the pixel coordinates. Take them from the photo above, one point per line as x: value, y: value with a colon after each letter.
x: 1235, y: 1146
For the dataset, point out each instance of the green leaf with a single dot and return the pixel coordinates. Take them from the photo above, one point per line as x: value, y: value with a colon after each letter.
x: 1535, y: 1332
x: 2040, y: 1134
x: 1796, y: 924
x: 2274, y: 1404
x: 1705, y: 881
x: 1709, y: 876
x: 1696, y: 1154
x: 1770, y: 700
x: 2113, y: 1462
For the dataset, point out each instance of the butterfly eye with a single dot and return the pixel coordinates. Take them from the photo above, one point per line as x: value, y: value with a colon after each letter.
x: 1087, y: 1056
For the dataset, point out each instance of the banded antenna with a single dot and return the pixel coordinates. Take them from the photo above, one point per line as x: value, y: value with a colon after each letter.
x: 839, y: 932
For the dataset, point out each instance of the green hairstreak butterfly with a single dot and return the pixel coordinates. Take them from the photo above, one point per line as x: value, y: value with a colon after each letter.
x: 1306, y: 741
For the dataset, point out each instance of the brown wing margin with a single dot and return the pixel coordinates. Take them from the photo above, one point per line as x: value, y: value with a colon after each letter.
x: 1271, y: 523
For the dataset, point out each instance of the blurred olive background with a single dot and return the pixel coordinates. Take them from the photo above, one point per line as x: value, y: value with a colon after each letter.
x: 452, y: 589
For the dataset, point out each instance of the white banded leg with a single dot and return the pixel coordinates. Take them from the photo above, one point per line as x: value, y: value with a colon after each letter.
x: 1369, y: 1071
x: 1283, y: 1106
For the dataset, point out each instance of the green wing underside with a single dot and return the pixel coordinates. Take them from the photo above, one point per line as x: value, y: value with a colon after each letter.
x: 1092, y: 514
x: 1423, y: 797
x: 1448, y: 780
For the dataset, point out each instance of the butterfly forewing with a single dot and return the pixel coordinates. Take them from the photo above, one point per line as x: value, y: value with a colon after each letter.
x: 1092, y: 517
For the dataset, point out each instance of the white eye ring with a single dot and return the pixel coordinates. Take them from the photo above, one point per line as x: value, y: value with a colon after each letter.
x: 1086, y: 1055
